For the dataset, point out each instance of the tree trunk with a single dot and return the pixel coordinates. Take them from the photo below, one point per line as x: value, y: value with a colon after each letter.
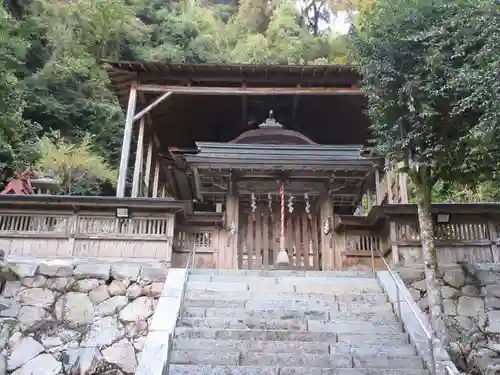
x: 430, y: 258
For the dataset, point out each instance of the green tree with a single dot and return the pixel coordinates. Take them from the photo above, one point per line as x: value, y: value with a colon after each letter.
x: 433, y: 107
x: 51, y: 76
x: 17, y: 135
x: 76, y: 168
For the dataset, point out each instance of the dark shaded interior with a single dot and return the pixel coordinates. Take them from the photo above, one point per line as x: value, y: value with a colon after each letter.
x: 183, y: 119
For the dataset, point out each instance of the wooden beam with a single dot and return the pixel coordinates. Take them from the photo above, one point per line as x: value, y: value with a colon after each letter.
x: 244, y: 108
x: 149, y: 159
x: 138, y: 161
x: 275, y: 79
x: 127, y: 137
x: 152, y: 105
x: 378, y: 191
x: 199, y: 90
x: 294, y: 108
x: 197, y: 184
x: 156, y: 179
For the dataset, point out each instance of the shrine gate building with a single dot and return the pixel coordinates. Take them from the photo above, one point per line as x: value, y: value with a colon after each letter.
x: 235, y: 140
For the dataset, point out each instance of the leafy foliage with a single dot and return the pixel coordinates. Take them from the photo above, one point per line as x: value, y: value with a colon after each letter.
x: 76, y: 168
x: 426, y: 66
x: 17, y: 134
x: 419, y: 59
x: 50, y: 72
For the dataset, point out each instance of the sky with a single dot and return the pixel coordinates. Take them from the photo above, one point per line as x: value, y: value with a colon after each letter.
x: 340, y: 23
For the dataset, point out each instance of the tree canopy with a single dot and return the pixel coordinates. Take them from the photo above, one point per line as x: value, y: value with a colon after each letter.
x: 430, y: 70
x: 52, y: 79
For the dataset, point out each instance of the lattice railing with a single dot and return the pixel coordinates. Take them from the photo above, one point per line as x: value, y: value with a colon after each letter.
x: 82, y: 224
x: 445, y: 231
x: 363, y: 243
x: 200, y: 239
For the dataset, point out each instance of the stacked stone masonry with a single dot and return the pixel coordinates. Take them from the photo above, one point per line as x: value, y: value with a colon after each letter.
x: 69, y: 319
x: 471, y: 303
x: 289, y: 323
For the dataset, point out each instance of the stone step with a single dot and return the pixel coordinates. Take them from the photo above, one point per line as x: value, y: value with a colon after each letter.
x: 299, y: 347
x: 267, y: 319
x: 260, y: 359
x: 338, y: 326
x: 213, y: 357
x: 275, y: 273
x: 273, y: 370
x: 289, y: 304
x: 252, y: 296
x: 249, y: 323
x: 361, y: 348
x: 304, y: 313
x: 379, y: 339
x: 312, y: 347
x: 388, y: 362
x: 348, y: 338
x: 366, y: 306
x: 243, y: 334
x: 256, y: 281
x: 344, y: 326
x: 302, y: 287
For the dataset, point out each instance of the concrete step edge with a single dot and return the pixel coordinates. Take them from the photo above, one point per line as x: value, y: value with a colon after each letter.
x: 355, y: 356
x: 278, y: 370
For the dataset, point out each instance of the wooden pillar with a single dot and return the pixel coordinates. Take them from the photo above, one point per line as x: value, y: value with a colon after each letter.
x: 156, y: 179
x: 327, y: 250
x: 147, y: 174
x: 388, y: 181
x: 170, y: 236
x: 378, y: 193
x: 369, y: 202
x: 493, y: 238
x: 233, y: 213
x: 403, y: 189
x: 127, y: 137
x: 138, y: 160
x: 392, y: 240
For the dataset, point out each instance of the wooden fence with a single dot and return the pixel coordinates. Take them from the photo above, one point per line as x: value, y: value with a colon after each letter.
x: 87, y: 227
x: 463, y: 233
x: 159, y: 230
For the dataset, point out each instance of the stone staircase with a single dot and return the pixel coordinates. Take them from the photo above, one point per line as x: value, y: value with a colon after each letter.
x: 289, y: 323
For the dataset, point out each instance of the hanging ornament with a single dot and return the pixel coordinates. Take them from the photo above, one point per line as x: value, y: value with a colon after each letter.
x: 254, y: 206
x: 308, y: 205
x: 282, y: 257
x: 290, y: 203
x: 327, y: 228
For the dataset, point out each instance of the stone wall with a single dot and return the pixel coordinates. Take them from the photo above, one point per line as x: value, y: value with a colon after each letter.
x: 64, y: 318
x: 471, y: 303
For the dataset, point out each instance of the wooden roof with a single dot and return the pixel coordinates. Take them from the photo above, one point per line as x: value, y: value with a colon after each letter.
x: 322, y: 102
x: 280, y: 156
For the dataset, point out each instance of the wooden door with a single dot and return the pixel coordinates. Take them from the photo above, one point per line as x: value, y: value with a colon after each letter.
x: 260, y: 233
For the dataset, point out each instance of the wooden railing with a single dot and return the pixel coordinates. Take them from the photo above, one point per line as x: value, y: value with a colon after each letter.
x: 462, y: 233
x: 466, y: 233
x: 206, y: 243
x: 87, y: 227
x: 354, y: 248
x: 187, y: 238
x: 364, y: 244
